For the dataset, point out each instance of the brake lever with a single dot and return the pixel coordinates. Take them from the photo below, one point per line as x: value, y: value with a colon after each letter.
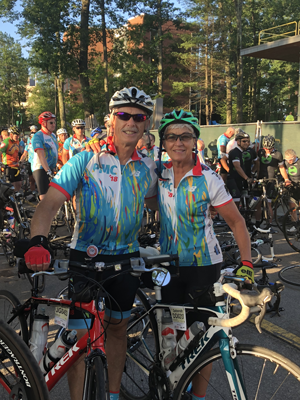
x: 259, y: 318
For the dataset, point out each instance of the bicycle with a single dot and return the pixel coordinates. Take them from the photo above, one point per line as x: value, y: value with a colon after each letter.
x: 290, y: 275
x: 19, y: 315
x: 20, y: 378
x: 291, y: 227
x: 145, y: 376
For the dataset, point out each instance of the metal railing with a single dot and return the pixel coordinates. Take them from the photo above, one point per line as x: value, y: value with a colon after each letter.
x: 271, y: 34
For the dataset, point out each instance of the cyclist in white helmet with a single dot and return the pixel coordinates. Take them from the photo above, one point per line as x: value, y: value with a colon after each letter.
x: 76, y: 143
x: 111, y: 189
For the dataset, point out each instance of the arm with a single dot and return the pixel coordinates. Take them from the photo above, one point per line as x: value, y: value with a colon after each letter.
x: 284, y: 173
x: 239, y: 169
x: 24, y: 155
x: 224, y: 163
x: 255, y: 166
x: 65, y: 156
x: 41, y: 155
x: 237, y: 224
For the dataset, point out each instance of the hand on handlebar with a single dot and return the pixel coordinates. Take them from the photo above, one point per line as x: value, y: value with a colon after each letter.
x: 245, y: 271
x: 287, y: 182
x: 38, y: 258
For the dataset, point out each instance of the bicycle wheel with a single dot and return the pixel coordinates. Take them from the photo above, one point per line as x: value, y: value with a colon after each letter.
x: 256, y: 255
x: 97, y: 381
x: 8, y: 251
x: 8, y: 302
x: 20, y: 375
x: 142, y: 346
x: 265, y: 211
x: 266, y: 375
x: 281, y: 206
x: 291, y: 228
x: 290, y: 274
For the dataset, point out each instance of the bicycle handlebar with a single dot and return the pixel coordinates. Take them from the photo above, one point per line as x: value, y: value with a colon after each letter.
x: 249, y: 303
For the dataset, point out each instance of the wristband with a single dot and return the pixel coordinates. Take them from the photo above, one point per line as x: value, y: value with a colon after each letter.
x: 247, y: 263
x: 38, y: 240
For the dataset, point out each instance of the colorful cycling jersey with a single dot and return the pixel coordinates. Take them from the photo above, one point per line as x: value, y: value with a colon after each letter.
x: 186, y: 225
x: 109, y: 199
x: 269, y: 163
x: 60, y: 150
x: 22, y: 146
x: 48, y: 143
x: 153, y: 153
x: 222, y: 141
x: 30, y: 151
x: 10, y: 150
x: 293, y: 170
x: 74, y: 146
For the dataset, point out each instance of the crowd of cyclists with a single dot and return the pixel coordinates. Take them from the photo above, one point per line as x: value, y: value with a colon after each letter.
x: 111, y: 181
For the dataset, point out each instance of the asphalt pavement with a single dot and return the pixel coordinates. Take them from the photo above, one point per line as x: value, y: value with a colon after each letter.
x: 280, y: 333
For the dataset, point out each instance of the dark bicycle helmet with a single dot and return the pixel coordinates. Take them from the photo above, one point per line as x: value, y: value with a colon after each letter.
x: 268, y: 142
x: 132, y: 97
x: 240, y: 134
x: 177, y: 117
x: 14, y: 130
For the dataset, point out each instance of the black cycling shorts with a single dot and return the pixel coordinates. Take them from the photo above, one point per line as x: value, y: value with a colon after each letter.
x: 13, y: 174
x: 121, y: 288
x: 190, y: 287
x: 235, y: 188
x: 42, y: 181
x: 222, y: 170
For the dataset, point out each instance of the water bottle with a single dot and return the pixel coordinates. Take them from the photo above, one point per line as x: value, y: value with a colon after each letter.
x: 11, y: 221
x: 57, y: 350
x: 38, y: 340
x: 189, y: 335
x: 168, y: 333
x: 7, y: 233
x: 253, y: 202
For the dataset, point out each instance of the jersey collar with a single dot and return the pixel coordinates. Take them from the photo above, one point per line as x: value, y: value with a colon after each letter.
x: 110, y: 148
x: 75, y: 137
x: 196, y: 171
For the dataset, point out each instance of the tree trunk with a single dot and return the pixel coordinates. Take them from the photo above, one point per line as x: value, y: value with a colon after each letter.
x: 61, y: 103
x: 160, y: 52
x: 206, y: 85
x: 228, y: 92
x: 239, y: 63
x: 105, y: 58
x: 83, y: 58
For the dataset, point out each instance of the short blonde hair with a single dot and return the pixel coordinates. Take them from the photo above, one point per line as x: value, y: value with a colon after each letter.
x: 179, y: 126
x: 289, y: 152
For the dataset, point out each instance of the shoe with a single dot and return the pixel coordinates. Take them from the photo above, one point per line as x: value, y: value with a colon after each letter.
x: 293, y: 229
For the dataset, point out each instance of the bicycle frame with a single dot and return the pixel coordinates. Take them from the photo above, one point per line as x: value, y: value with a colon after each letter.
x: 212, y: 336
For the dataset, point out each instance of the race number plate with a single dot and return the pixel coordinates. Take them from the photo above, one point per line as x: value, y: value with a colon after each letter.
x: 178, y: 317
x: 62, y: 316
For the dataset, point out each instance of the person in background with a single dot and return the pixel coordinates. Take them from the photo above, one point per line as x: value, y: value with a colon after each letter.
x: 76, y: 143
x: 10, y: 155
x: 290, y: 117
x: 201, y: 147
x: 292, y: 166
x: 107, y: 123
x: 142, y: 145
x: 221, y: 146
x: 151, y: 148
x: 62, y: 136
x: 29, y: 152
x: 45, y: 148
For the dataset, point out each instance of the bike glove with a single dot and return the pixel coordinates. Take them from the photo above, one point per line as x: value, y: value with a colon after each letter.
x: 245, y: 270
x: 37, y: 256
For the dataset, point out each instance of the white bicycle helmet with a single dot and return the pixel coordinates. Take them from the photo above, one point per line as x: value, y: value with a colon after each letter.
x: 78, y: 122
x: 33, y: 127
x: 61, y: 131
x: 132, y: 97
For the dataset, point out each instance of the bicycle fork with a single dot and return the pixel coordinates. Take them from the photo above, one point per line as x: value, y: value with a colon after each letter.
x: 235, y: 381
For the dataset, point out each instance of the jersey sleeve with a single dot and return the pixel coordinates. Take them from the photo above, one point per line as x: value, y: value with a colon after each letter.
x: 152, y: 191
x: 67, y: 144
x: 70, y: 175
x: 218, y: 193
x: 4, y: 145
x: 37, y: 142
x: 280, y: 159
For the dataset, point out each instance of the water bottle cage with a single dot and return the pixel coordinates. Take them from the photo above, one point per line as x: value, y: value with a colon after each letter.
x: 54, y: 360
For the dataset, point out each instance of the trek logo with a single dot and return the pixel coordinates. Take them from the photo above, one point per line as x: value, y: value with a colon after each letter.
x: 106, y: 169
x: 62, y: 361
x: 292, y: 170
x: 266, y: 160
x: 196, y: 351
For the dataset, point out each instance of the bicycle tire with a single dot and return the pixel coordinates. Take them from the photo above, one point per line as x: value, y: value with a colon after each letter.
x: 291, y: 229
x: 256, y: 255
x: 97, y: 380
x: 283, y: 379
x: 290, y: 277
x: 20, y: 375
x: 8, y: 252
x: 283, y: 203
x: 142, y: 347
x: 8, y: 301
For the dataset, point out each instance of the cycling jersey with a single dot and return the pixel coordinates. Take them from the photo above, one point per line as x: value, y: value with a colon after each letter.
x: 30, y: 151
x: 235, y: 156
x: 186, y: 225
x: 293, y: 170
x: 48, y: 143
x: 269, y: 163
x: 10, y: 150
x: 22, y: 146
x: 60, y: 150
x: 109, y: 199
x: 222, y: 141
x: 74, y: 146
x: 153, y: 153
x: 248, y: 156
